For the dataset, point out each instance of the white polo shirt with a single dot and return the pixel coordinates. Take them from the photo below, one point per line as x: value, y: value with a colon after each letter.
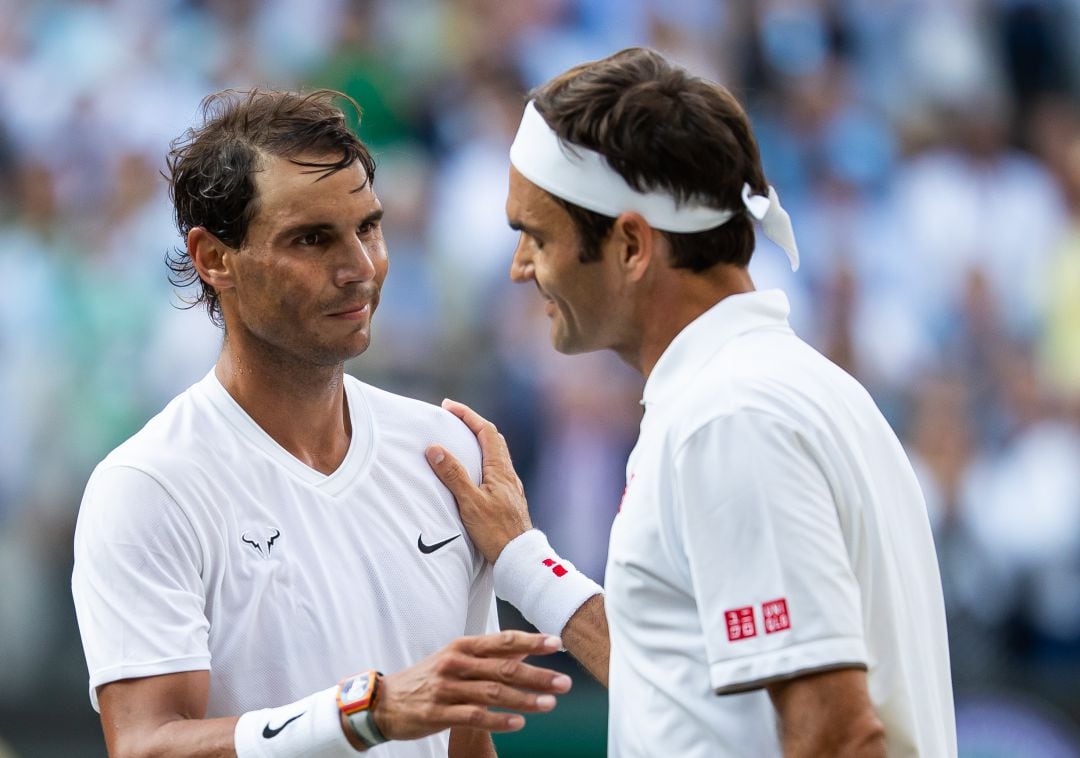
x: 203, y: 544
x: 772, y: 526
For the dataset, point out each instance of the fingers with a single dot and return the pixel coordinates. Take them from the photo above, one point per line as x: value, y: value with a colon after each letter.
x: 477, y: 717
x: 493, y: 445
x: 472, y: 419
x: 509, y: 642
x: 493, y: 695
x: 485, y: 430
x: 508, y: 671
x: 498, y: 658
x: 458, y: 684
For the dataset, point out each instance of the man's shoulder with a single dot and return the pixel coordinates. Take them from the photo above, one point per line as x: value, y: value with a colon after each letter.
x: 407, y: 413
x: 786, y: 382
x: 413, y: 422
x: 177, y: 436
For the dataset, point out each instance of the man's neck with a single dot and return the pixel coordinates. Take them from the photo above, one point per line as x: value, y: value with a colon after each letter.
x: 304, y: 409
x: 679, y: 298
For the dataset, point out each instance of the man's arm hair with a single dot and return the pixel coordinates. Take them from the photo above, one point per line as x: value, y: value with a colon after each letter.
x: 828, y: 713
x: 471, y: 743
x: 586, y: 638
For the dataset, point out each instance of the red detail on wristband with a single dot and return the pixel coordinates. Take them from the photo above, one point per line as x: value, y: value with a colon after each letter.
x: 740, y: 623
x: 776, y: 615
x: 556, y: 568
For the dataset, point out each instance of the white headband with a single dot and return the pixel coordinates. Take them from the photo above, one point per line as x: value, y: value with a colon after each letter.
x: 584, y: 177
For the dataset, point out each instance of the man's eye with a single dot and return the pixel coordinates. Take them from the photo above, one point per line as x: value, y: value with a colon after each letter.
x: 310, y: 239
x: 367, y: 227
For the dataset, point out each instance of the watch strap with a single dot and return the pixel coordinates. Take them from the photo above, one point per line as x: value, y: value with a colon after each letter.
x: 356, y: 697
x: 364, y: 726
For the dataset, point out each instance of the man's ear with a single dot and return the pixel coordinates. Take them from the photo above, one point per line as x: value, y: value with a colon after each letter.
x: 635, y: 243
x: 212, y: 258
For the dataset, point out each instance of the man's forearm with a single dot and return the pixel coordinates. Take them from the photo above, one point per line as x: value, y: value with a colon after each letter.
x: 586, y: 638
x: 470, y: 743
x: 828, y: 713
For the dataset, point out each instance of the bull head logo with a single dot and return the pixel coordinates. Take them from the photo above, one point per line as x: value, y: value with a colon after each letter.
x: 262, y: 539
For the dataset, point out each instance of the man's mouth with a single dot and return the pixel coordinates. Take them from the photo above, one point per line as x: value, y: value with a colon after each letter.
x: 353, y: 312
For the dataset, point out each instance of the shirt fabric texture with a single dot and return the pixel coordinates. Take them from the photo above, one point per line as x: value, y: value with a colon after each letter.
x: 203, y: 544
x: 772, y: 526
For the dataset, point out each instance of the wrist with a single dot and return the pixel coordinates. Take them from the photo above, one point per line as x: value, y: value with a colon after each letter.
x: 509, y: 537
x: 357, y: 698
x: 547, y: 589
x: 310, y: 727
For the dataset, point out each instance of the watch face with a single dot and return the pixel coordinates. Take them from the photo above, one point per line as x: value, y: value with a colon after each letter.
x: 357, y: 689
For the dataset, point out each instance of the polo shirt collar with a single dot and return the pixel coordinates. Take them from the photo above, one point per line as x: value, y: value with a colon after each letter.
x: 704, y: 337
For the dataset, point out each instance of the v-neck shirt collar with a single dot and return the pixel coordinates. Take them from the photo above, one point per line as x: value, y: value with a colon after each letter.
x: 356, y: 460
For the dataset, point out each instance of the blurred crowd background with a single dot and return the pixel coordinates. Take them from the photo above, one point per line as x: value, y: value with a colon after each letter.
x: 929, y: 154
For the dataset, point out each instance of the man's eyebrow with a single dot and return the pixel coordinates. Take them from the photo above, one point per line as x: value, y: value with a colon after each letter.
x: 374, y: 216
x: 325, y: 226
x: 519, y: 226
x: 306, y: 228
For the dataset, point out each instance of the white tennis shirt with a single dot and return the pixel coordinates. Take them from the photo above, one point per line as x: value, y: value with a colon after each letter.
x: 203, y: 544
x: 771, y: 526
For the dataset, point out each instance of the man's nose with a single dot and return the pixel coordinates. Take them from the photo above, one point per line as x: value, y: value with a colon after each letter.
x: 521, y: 265
x: 358, y: 262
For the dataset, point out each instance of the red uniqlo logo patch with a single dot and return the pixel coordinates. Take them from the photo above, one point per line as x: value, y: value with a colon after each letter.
x: 625, y: 490
x: 740, y: 623
x: 776, y: 616
x: 556, y: 568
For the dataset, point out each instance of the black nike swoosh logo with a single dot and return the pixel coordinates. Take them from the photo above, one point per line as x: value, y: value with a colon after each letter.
x: 269, y: 733
x: 425, y: 549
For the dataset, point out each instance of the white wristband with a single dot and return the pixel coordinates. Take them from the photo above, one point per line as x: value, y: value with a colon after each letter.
x: 308, y: 727
x: 546, y: 589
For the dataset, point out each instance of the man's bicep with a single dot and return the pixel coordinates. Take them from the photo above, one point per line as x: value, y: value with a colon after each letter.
x: 769, y: 568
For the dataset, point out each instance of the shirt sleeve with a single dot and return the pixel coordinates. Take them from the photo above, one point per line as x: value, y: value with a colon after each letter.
x: 138, y: 593
x: 770, y: 572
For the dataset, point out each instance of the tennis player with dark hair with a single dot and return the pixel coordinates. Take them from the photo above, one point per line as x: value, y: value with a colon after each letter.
x: 276, y: 526
x: 772, y: 586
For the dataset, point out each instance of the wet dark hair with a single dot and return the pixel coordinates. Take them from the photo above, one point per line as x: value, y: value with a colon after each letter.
x: 660, y: 128
x: 210, y: 168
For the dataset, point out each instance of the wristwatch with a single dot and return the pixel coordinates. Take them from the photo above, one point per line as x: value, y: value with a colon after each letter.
x: 356, y: 698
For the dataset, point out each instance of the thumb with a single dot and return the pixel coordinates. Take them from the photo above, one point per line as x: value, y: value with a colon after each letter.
x: 448, y: 469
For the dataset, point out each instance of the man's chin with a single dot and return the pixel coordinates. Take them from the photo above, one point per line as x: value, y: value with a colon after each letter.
x: 568, y: 344
x: 335, y: 355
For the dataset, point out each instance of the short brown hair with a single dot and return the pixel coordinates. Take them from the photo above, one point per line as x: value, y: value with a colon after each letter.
x: 210, y: 168
x: 660, y: 128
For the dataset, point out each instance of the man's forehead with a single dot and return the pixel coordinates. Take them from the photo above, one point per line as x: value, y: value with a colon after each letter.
x: 525, y: 200
x: 281, y: 178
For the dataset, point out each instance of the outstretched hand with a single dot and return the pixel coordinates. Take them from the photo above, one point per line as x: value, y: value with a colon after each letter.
x: 496, y: 511
x: 458, y: 685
